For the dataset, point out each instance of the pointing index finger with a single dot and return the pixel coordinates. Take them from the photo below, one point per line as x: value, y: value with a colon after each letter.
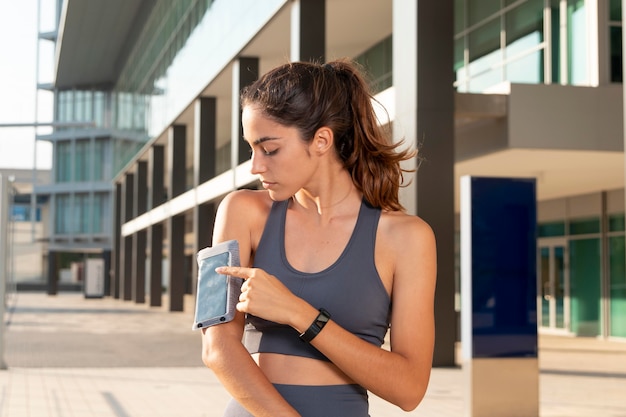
x: 235, y: 271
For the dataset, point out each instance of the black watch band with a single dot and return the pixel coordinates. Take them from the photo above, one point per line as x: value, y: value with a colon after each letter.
x: 316, y: 327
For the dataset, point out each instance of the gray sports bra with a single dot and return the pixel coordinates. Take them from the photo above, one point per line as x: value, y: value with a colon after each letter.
x: 350, y: 289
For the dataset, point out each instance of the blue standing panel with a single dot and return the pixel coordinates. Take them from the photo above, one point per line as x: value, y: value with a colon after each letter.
x: 503, y: 267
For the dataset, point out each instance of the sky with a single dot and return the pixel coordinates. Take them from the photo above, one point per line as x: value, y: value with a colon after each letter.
x: 18, y: 45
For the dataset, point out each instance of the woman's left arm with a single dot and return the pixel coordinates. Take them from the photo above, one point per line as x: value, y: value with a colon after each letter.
x: 401, y: 375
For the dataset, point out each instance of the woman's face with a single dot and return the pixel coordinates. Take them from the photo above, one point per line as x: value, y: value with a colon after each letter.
x: 281, y: 159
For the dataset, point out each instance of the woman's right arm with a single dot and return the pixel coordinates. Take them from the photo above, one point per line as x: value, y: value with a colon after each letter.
x: 222, y: 351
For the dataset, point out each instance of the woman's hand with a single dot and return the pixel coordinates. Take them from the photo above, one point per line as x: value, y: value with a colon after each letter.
x: 263, y: 295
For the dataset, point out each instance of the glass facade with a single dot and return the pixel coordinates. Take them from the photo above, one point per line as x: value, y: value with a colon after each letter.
x: 526, y: 41
x: 572, y: 277
x: 577, y: 57
x: 615, y: 40
x: 63, y: 161
x: 585, y: 278
x: 63, y: 213
x: 617, y: 292
x: 497, y: 41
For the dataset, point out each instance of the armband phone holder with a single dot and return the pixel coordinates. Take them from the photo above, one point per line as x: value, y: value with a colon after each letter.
x: 217, y: 294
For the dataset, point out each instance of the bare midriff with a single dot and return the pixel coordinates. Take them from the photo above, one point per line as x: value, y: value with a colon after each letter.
x: 297, y: 370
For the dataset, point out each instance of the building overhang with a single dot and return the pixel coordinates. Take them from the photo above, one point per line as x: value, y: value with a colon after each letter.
x: 93, y: 40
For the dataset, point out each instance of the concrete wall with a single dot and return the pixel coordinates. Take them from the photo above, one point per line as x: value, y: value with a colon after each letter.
x: 566, y: 117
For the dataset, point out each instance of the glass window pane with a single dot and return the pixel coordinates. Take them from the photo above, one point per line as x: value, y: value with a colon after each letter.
x: 585, y: 267
x: 616, y: 223
x: 63, y: 163
x: 62, y: 214
x: 485, y: 56
x: 584, y: 226
x: 577, y: 42
x: 479, y: 10
x: 546, y: 292
x: 528, y: 69
x: 378, y: 62
x: 556, y: 43
x: 459, y: 55
x: 99, y: 106
x: 617, y: 287
x: 616, y: 10
x: 82, y: 160
x: 551, y: 229
x: 88, y: 98
x: 616, y: 54
x: 484, y: 40
x: 459, y: 16
x: 524, y: 20
x: 559, y: 287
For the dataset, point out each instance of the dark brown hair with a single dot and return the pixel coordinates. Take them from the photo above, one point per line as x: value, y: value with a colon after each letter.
x: 308, y: 96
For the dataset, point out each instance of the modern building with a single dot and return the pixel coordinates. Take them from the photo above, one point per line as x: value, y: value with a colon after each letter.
x: 512, y: 88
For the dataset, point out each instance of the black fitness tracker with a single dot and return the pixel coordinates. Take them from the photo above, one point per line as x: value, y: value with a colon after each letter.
x: 316, y: 327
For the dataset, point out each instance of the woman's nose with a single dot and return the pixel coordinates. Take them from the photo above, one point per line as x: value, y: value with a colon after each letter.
x: 257, y: 165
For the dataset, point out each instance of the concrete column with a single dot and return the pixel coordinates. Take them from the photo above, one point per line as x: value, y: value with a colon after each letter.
x: 204, y: 217
x: 139, y: 238
x: 245, y: 72
x: 177, y: 164
x: 177, y: 143
x: 156, y: 265
x: 53, y: 273
x: 423, y: 80
x: 127, y: 241
x: 116, y: 256
x: 308, y: 30
x: 156, y: 163
x: 205, y: 163
x: 157, y: 197
x: 205, y: 135
x: 139, y: 266
x: 176, y: 251
x: 141, y: 189
x: 106, y: 255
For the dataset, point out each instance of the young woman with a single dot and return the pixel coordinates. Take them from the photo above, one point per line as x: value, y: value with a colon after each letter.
x: 330, y: 259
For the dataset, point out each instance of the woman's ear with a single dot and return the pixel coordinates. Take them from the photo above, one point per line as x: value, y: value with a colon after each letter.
x: 323, y: 140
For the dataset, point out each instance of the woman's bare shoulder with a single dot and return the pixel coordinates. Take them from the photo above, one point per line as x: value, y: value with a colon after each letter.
x: 247, y: 201
x: 402, y: 228
x: 242, y: 215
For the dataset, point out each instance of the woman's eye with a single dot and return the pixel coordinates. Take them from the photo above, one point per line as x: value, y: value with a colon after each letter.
x: 269, y: 152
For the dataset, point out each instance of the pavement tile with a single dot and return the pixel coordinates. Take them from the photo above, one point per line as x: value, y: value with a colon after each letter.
x: 69, y: 356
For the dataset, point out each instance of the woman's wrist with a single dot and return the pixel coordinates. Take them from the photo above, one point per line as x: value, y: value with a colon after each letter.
x: 303, y: 319
x: 316, y: 326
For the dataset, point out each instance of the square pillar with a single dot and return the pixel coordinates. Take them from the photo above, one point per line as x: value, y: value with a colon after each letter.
x: 308, y: 30
x: 127, y: 241
x: 53, y: 273
x: 176, y: 251
x: 157, y: 194
x: 177, y: 164
x: 245, y: 72
x: 140, y: 238
x: 156, y: 265
x: 205, y: 128
x: 423, y: 79
x: 116, y: 256
x: 204, y: 217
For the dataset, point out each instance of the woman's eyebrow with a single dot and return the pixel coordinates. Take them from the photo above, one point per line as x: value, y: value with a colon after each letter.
x: 263, y: 139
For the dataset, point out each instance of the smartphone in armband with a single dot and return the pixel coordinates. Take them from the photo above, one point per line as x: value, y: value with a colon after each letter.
x: 217, y: 294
